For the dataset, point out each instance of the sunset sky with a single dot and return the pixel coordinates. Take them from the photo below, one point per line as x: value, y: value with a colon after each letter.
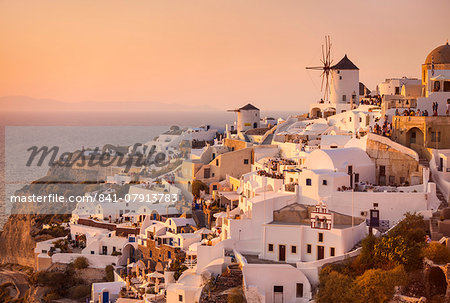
x: 217, y: 53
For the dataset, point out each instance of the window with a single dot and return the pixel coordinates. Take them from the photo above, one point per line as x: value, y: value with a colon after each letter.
x: 360, y: 119
x: 332, y: 251
x: 320, y: 237
x: 169, y: 254
x: 215, y: 187
x: 308, y: 182
x: 270, y: 247
x: 245, y: 161
x: 391, y: 180
x: 217, y: 162
x: 344, y: 98
x: 435, y: 136
x: 350, y: 169
x: 324, y: 182
x: 356, y: 178
x: 340, y: 77
x: 44, y: 251
x: 180, y: 298
x: 293, y: 249
x: 350, y: 119
x: 206, y: 173
x: 437, y: 86
x: 308, y: 248
x: 92, y: 252
x: 151, y: 254
x: 299, y: 292
x: 397, y: 90
x: 278, y: 289
x: 375, y: 205
x: 382, y: 170
x: 446, y: 86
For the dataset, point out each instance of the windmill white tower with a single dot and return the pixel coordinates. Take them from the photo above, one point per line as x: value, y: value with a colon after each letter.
x: 340, y: 84
x: 344, y: 82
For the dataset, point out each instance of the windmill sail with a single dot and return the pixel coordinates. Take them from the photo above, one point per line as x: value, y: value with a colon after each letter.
x: 325, y: 68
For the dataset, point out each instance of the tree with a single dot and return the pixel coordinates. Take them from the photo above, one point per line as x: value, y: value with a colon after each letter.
x: 377, y: 285
x: 81, y: 263
x: 198, y: 186
x: 334, y: 287
x: 412, y: 227
x: 366, y: 258
x: 398, y: 250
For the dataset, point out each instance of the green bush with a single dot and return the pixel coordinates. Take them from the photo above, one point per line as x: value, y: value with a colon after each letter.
x: 62, y: 244
x: 81, y: 263
x: 334, y: 287
x: 198, y: 186
x: 437, y: 253
x: 377, y: 285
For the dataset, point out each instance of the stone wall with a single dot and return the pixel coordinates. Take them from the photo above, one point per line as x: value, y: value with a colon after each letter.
x: 424, y: 126
x: 399, y: 165
x: 161, y: 252
x: 120, y: 231
x: 235, y: 144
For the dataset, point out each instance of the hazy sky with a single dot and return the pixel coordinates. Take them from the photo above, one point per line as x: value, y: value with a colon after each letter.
x: 221, y: 53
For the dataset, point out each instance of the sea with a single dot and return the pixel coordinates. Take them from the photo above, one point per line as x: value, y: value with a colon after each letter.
x: 76, y: 130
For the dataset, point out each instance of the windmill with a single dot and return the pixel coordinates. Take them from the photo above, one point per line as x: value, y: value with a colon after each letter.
x: 325, y: 68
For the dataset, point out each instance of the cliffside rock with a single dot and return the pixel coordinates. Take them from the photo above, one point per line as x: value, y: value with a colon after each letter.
x: 16, y: 242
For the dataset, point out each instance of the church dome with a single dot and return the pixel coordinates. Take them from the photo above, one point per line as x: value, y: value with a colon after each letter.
x: 439, y: 55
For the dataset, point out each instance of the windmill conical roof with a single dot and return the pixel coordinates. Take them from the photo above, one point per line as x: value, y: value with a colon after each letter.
x: 345, y: 63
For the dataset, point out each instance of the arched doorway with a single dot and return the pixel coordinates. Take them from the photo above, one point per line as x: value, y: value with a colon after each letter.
x: 437, y: 281
x: 330, y: 111
x: 316, y: 113
x: 415, y: 136
x: 128, y: 252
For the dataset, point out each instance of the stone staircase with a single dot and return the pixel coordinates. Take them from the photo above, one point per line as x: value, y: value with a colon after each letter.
x: 199, y: 217
x: 227, y: 287
x: 434, y: 220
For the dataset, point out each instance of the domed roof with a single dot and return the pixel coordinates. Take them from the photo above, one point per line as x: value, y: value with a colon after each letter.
x: 439, y: 55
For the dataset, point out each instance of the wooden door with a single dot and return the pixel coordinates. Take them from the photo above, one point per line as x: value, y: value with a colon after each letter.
x: 320, y: 252
x: 282, y: 252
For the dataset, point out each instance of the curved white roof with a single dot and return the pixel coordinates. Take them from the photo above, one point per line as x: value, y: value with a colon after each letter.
x: 337, y: 158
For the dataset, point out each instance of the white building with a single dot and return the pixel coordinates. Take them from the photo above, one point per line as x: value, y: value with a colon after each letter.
x: 106, y: 292
x: 248, y: 117
x: 344, y: 90
x: 395, y: 86
x: 300, y: 233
